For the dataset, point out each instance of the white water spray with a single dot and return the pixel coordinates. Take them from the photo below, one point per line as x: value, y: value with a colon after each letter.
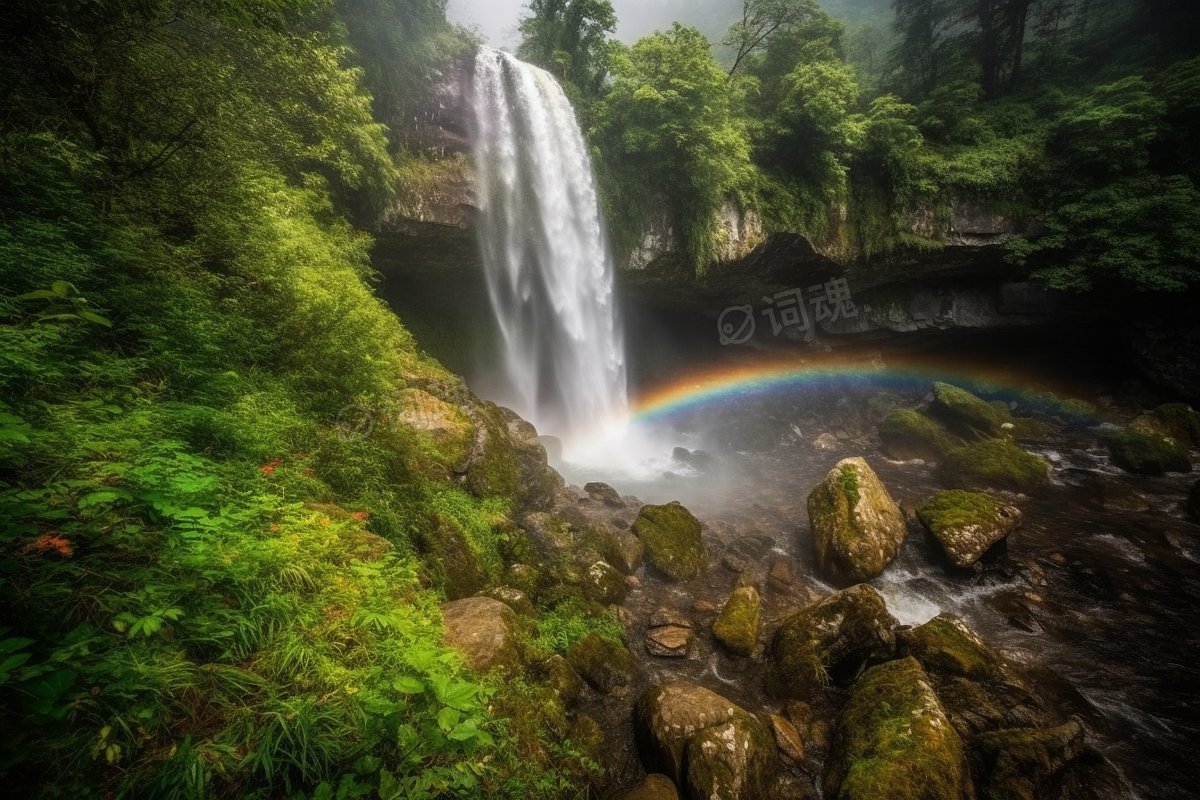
x: 561, y: 360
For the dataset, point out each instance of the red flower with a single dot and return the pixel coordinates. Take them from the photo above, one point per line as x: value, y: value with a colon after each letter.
x: 325, y: 522
x: 269, y: 467
x: 52, y: 543
x: 360, y: 515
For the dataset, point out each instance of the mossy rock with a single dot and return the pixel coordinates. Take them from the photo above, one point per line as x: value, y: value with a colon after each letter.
x: 603, y: 583
x: 556, y: 673
x: 451, y: 561
x: 731, y: 761
x: 967, y: 524
x: 1180, y: 421
x: 736, y: 627
x: 1147, y: 453
x: 608, y: 666
x: 894, y: 741
x: 671, y: 536
x: 1193, y: 502
x: 908, y: 434
x: 448, y: 427
x: 996, y: 463
x: 1025, y: 763
x: 485, y: 631
x: 620, y: 548
x: 946, y: 646
x: 967, y: 415
x: 828, y: 640
x: 653, y: 787
x: 856, y: 526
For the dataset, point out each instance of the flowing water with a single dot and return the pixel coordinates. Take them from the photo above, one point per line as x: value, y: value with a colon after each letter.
x: 549, y: 271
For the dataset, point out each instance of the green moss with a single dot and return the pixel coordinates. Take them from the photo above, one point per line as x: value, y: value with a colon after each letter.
x: 730, y: 761
x: 672, y: 539
x: 997, y: 463
x: 737, y: 625
x: 605, y: 664
x: 908, y: 434
x: 946, y: 646
x: 1180, y: 421
x: 893, y: 740
x: 956, y: 508
x: 967, y: 415
x: 847, y: 482
x: 1147, y: 453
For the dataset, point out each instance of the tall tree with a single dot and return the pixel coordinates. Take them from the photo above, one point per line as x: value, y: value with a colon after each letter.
x: 570, y: 38
x: 763, y: 20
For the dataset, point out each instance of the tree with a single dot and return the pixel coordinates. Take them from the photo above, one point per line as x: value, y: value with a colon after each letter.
x: 763, y: 20
x: 569, y: 38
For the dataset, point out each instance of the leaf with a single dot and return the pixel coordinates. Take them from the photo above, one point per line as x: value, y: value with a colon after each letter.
x: 448, y: 718
x: 92, y: 316
x: 406, y: 684
x: 40, y: 294
x: 62, y: 288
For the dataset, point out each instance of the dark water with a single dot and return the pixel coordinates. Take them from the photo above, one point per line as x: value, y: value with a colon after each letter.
x: 1099, y: 603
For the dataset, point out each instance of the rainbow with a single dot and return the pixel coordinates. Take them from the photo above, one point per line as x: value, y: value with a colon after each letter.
x: 744, y: 381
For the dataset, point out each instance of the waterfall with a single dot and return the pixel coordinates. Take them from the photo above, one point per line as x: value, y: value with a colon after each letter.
x: 561, y: 361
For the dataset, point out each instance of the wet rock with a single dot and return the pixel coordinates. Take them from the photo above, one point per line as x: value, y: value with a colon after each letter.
x: 703, y: 607
x: 1017, y: 610
x: 485, y: 631
x: 604, y: 584
x: 560, y: 676
x: 606, y: 665
x: 827, y: 442
x: 782, y: 574
x: 550, y: 534
x: 736, y: 627
x: 1193, y: 502
x: 703, y: 741
x: 1179, y: 421
x: 857, y: 528
x: 653, y: 787
x: 603, y: 493
x: 626, y: 551
x: 829, y: 640
x: 669, y: 641
x: 967, y: 524
x: 671, y: 536
x: 893, y: 740
x: 995, y: 463
x: 514, y: 598
x: 745, y: 551
x: 1113, y: 495
x: 966, y: 415
x: 787, y: 738
x: 908, y: 434
x: 664, y: 616
x: 1147, y: 453
x: 945, y: 645
x: 1024, y: 764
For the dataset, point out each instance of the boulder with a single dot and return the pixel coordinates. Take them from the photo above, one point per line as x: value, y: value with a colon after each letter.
x: 736, y: 627
x: 603, y: 493
x: 618, y: 547
x: 703, y: 741
x: 671, y: 536
x: 1025, y: 763
x: 967, y: 524
x: 946, y: 646
x: 1147, y: 453
x: 829, y: 640
x: 966, y: 415
x: 857, y: 528
x: 746, y: 551
x: 996, y: 463
x: 893, y: 740
x: 485, y: 631
x: 653, y: 787
x: 908, y: 434
x: 1179, y: 421
x: 514, y: 598
x: 560, y: 676
x: 551, y: 535
x: 604, y: 584
x: 608, y: 666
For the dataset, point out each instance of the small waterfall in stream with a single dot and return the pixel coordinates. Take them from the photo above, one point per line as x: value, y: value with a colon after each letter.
x: 561, y: 360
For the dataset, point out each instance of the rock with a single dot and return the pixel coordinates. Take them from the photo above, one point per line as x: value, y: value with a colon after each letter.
x: 945, y: 645
x: 782, y: 574
x: 653, y: 787
x: 1147, y: 453
x: 894, y: 741
x: 745, y: 551
x: 829, y: 640
x: 554, y: 448
x: 967, y: 524
x: 702, y: 740
x: 446, y: 425
x: 703, y: 607
x: 515, y: 599
x: 449, y: 556
x: 664, y: 616
x: 737, y: 625
x: 908, y: 434
x: 671, y: 536
x: 618, y: 547
x: 1113, y: 495
x: 1179, y: 421
x: 1024, y: 763
x: 606, y: 665
x: 966, y: 415
x: 730, y: 761
x: 669, y: 641
x: 787, y: 738
x: 525, y: 578
x: 1193, y: 502
x: 550, y: 534
x: 996, y: 463
x: 857, y: 528
x: 604, y: 584
x: 560, y: 676
x: 827, y: 442
x: 484, y: 631
x: 603, y: 493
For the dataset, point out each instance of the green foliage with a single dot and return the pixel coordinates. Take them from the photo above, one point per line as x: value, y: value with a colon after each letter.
x: 570, y: 39
x: 560, y: 628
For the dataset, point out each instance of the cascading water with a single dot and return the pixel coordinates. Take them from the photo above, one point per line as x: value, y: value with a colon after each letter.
x: 548, y: 267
